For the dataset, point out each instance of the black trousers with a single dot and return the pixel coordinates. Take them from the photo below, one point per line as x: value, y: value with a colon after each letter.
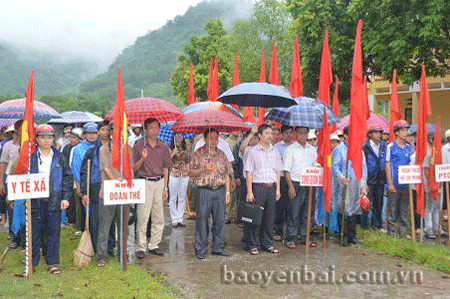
x: 46, y: 226
x: 375, y: 195
x: 261, y: 236
x: 298, y: 213
x: 282, y: 208
x: 210, y: 202
x: 349, y: 226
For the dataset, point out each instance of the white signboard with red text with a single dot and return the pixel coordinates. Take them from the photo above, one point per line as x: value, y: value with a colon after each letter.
x: 117, y: 192
x: 311, y: 176
x: 25, y: 186
x: 442, y: 173
x: 409, y: 174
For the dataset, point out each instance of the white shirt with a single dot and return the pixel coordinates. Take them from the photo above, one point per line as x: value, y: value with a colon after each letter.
x: 375, y: 147
x: 446, y: 154
x: 297, y: 157
x: 10, y: 153
x: 45, y: 162
x: 223, y: 145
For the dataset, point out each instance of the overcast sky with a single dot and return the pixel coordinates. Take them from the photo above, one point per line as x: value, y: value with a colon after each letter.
x: 94, y: 29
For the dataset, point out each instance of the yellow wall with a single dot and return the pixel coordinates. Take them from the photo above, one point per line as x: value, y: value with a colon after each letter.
x: 439, y: 99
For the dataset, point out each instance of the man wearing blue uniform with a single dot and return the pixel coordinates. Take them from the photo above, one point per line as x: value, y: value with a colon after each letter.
x: 398, y: 153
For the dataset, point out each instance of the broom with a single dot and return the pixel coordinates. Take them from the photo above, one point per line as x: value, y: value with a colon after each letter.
x: 83, y: 254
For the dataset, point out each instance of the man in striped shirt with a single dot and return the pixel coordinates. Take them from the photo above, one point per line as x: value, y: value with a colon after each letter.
x: 263, y: 167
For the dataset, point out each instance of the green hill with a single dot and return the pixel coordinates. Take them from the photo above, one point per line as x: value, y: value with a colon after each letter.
x: 52, y: 76
x: 149, y: 62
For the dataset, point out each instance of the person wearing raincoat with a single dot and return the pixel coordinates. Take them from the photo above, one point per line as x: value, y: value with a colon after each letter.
x: 347, y: 189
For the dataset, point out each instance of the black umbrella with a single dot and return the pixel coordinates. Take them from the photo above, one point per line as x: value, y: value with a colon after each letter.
x: 258, y: 95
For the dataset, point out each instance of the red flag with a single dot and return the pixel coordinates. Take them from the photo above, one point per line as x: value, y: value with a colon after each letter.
x: 394, y: 111
x: 120, y: 134
x: 209, y: 89
x: 325, y: 156
x: 358, y: 112
x: 424, y: 111
x: 191, y: 95
x: 235, y: 77
x: 336, y: 101
x: 436, y: 159
x: 216, y: 81
x: 273, y: 76
x: 248, y: 115
x: 296, y: 75
x: 326, y: 75
x: 262, y: 78
x: 27, y: 145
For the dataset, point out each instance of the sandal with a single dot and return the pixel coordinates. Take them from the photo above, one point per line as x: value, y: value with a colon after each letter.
x: 272, y: 250
x: 312, y: 244
x: 290, y: 245
x: 53, y: 270
x: 101, y: 263
x: 277, y: 238
x: 254, y: 251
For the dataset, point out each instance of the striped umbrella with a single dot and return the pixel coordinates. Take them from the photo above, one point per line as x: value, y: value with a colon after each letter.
x: 374, y: 119
x: 16, y: 109
x: 307, y: 113
x: 138, y: 110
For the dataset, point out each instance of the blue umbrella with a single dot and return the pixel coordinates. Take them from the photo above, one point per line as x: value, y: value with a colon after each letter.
x: 166, y: 133
x: 258, y: 95
x: 75, y: 117
x: 307, y: 113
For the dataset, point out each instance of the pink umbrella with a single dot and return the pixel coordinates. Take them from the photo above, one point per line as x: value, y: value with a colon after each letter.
x: 374, y: 119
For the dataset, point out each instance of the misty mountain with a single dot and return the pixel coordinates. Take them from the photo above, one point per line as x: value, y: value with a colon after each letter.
x: 149, y: 62
x: 53, y: 75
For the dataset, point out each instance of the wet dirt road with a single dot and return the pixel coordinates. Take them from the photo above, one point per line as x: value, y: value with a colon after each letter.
x: 333, y: 272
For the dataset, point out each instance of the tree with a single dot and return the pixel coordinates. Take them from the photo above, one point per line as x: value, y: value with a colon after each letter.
x: 403, y: 35
x: 199, y: 52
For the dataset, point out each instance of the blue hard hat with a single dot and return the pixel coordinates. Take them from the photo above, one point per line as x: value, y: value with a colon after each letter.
x: 90, y: 128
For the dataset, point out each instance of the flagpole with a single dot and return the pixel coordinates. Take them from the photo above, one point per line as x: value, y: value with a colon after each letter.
x: 344, y: 196
x: 324, y: 221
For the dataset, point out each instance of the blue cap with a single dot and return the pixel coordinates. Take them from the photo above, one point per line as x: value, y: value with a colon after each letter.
x: 90, y: 128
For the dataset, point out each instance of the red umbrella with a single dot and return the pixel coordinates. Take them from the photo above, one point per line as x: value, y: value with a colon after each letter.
x: 200, y: 121
x: 140, y: 109
x: 374, y: 119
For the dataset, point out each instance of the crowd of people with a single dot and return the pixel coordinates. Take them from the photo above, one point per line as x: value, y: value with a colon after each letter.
x: 218, y: 177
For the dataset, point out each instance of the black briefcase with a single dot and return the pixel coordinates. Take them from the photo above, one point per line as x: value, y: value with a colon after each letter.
x: 252, y: 214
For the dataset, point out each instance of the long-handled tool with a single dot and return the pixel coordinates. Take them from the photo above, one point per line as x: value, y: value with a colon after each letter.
x: 85, y: 251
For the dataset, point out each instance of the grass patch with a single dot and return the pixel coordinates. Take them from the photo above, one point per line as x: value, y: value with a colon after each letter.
x: 89, y: 282
x: 434, y: 255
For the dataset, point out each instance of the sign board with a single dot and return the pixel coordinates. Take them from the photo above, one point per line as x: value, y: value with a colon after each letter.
x: 409, y: 174
x: 117, y: 192
x: 442, y: 173
x: 24, y: 186
x: 311, y: 176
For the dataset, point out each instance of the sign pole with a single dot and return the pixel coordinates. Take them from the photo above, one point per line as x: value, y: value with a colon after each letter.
x: 29, y: 241
x: 448, y: 206
x: 308, y: 221
x: 411, y: 207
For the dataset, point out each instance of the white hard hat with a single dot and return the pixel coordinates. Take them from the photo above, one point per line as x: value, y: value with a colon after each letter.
x: 447, y: 133
x: 334, y: 137
x: 311, y: 135
x: 10, y: 129
x: 77, y: 132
